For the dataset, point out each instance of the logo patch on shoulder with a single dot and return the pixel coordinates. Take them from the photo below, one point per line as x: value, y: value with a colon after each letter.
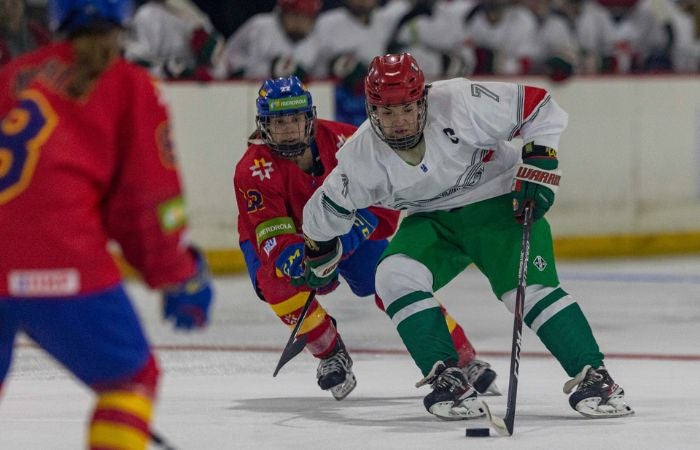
x: 171, y: 214
x: 261, y: 168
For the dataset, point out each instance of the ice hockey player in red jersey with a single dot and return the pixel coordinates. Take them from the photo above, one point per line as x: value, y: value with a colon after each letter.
x: 288, y: 158
x: 85, y: 157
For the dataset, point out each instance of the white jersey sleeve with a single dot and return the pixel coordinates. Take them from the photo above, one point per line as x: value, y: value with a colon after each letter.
x: 504, y: 111
x: 358, y: 181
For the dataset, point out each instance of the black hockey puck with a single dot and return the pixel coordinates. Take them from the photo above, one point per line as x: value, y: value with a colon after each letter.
x: 478, y: 432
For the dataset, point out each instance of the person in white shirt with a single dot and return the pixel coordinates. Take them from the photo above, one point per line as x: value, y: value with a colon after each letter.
x: 685, y: 43
x: 272, y: 45
x: 431, y: 32
x: 594, y: 33
x: 174, y: 39
x: 504, y: 37
x: 351, y: 35
x: 442, y: 153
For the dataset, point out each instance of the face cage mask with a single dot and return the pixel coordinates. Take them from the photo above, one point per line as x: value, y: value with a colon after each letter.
x: 287, y: 151
x: 402, y: 143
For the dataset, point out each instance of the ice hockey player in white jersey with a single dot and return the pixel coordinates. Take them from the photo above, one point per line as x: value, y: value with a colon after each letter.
x: 442, y: 153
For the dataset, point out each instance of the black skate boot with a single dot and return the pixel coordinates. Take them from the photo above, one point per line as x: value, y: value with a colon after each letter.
x: 597, y: 395
x: 482, y: 377
x: 334, y: 372
x: 453, y: 398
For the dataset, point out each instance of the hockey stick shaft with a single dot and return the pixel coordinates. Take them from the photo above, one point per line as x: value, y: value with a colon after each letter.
x: 518, y: 321
x: 294, y: 346
x: 505, y: 426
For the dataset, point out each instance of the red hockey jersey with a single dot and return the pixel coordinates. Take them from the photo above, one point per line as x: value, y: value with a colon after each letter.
x: 75, y: 173
x: 269, y: 190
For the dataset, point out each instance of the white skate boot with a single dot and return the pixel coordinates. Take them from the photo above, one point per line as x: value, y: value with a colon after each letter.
x: 453, y: 398
x: 597, y: 395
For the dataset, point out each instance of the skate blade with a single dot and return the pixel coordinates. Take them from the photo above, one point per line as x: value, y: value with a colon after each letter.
x: 496, y: 422
x: 470, y: 408
x: 592, y: 408
x: 342, y: 390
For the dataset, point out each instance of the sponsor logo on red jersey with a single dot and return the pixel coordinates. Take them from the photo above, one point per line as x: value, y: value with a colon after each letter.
x: 44, y: 282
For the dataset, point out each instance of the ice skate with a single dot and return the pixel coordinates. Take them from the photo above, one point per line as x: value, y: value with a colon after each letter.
x: 482, y: 377
x: 597, y: 395
x: 453, y: 398
x: 334, y: 372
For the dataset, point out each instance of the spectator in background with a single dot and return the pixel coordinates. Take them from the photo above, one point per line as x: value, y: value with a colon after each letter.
x: 594, y: 32
x: 349, y: 37
x: 18, y: 34
x: 272, y: 45
x: 641, y: 42
x: 557, y: 49
x: 503, y: 36
x: 684, y: 35
x: 174, y: 40
x: 430, y: 32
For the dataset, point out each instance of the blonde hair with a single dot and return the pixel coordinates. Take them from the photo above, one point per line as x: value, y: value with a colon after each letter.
x: 94, y: 51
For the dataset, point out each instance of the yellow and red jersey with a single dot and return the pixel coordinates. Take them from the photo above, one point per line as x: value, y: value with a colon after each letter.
x: 273, y: 191
x: 75, y: 173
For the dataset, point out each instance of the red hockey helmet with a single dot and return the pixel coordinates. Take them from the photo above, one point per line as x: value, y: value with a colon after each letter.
x: 305, y: 7
x: 393, y: 80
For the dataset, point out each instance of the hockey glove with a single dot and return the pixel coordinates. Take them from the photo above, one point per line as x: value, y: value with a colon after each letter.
x: 321, y: 262
x: 187, y: 304
x: 362, y: 228
x: 536, y: 181
x: 290, y: 263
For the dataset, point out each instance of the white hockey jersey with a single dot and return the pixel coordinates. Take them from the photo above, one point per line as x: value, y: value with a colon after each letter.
x: 467, y: 159
x: 252, y: 49
x: 340, y: 33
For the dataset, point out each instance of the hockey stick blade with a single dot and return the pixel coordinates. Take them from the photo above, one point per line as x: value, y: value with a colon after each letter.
x: 294, y: 346
x: 290, y: 352
x: 497, y: 423
x: 160, y: 441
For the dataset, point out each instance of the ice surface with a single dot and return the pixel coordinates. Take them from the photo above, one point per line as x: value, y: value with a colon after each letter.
x: 218, y: 392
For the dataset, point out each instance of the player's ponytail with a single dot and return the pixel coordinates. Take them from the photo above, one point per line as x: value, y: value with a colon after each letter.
x: 94, y: 51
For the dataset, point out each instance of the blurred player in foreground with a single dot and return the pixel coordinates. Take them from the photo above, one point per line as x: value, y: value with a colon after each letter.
x: 85, y: 157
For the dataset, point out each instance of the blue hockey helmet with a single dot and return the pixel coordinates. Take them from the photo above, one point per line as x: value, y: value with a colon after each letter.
x: 285, y: 97
x: 70, y: 15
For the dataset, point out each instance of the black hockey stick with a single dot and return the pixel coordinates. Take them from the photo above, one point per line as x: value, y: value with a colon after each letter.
x: 160, y: 441
x: 295, y: 346
x: 504, y: 426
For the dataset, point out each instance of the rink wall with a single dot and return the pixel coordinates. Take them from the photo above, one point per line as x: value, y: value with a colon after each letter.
x: 630, y: 160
